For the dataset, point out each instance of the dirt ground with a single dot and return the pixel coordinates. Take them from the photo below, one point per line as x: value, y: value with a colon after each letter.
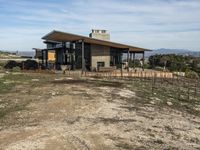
x: 69, y: 113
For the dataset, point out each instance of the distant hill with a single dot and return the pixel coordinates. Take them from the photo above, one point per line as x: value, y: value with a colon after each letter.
x: 184, y: 52
x: 26, y: 53
x: 8, y: 55
x: 19, y: 53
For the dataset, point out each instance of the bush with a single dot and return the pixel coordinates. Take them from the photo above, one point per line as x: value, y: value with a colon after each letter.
x: 192, y: 75
x: 16, y: 69
x: 30, y: 65
x: 2, y: 64
x: 11, y: 64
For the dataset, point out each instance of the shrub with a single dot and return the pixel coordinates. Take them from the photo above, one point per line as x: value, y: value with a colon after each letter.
x: 192, y: 74
x: 16, y: 69
x: 11, y: 64
x: 30, y: 65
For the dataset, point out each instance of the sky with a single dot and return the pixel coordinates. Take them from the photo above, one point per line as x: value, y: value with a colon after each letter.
x: 150, y: 24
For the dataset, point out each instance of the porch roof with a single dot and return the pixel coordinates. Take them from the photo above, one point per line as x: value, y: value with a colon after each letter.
x: 63, y: 37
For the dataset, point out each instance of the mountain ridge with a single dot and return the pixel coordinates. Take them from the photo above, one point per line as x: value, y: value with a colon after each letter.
x: 184, y: 52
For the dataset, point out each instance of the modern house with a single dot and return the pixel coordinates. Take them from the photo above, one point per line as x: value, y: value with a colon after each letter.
x: 86, y: 53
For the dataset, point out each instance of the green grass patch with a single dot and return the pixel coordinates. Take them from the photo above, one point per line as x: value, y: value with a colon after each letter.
x: 10, y: 109
x: 4, y: 87
x: 9, y: 81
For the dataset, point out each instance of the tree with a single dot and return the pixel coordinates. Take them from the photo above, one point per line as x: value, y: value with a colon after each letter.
x: 174, y: 62
x: 164, y: 60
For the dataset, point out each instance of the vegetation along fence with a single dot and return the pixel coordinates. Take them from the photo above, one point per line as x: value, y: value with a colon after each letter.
x: 162, y: 84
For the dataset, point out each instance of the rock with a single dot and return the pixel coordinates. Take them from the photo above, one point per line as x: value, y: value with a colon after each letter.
x: 2, y: 106
x: 53, y: 93
x: 24, y: 91
x: 157, y: 99
x: 35, y: 80
x: 8, y: 82
x: 169, y: 103
x: 152, y: 102
x: 58, y: 79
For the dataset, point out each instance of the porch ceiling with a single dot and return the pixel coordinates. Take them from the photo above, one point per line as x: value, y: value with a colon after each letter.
x: 63, y: 37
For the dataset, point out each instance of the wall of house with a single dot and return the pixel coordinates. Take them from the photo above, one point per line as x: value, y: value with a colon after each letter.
x: 100, y: 53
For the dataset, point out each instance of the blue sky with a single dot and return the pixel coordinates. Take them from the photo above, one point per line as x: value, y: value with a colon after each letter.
x: 150, y: 24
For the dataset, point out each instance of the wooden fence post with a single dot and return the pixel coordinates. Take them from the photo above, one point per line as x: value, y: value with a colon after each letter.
x: 179, y: 91
x: 188, y: 91
x: 121, y: 70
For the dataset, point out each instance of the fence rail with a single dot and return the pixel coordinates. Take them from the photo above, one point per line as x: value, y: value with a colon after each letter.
x: 138, y: 74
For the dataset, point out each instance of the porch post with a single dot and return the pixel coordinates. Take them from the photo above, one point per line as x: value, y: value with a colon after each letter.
x: 131, y: 56
x: 134, y: 60
x: 42, y: 57
x: 128, y: 59
x: 56, y: 59
x: 83, y: 57
x: 46, y: 58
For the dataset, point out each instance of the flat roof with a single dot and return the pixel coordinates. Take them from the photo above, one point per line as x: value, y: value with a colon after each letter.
x: 64, y: 37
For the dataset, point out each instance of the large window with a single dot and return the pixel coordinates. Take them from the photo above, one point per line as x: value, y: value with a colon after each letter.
x: 115, y: 57
x: 78, y: 56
